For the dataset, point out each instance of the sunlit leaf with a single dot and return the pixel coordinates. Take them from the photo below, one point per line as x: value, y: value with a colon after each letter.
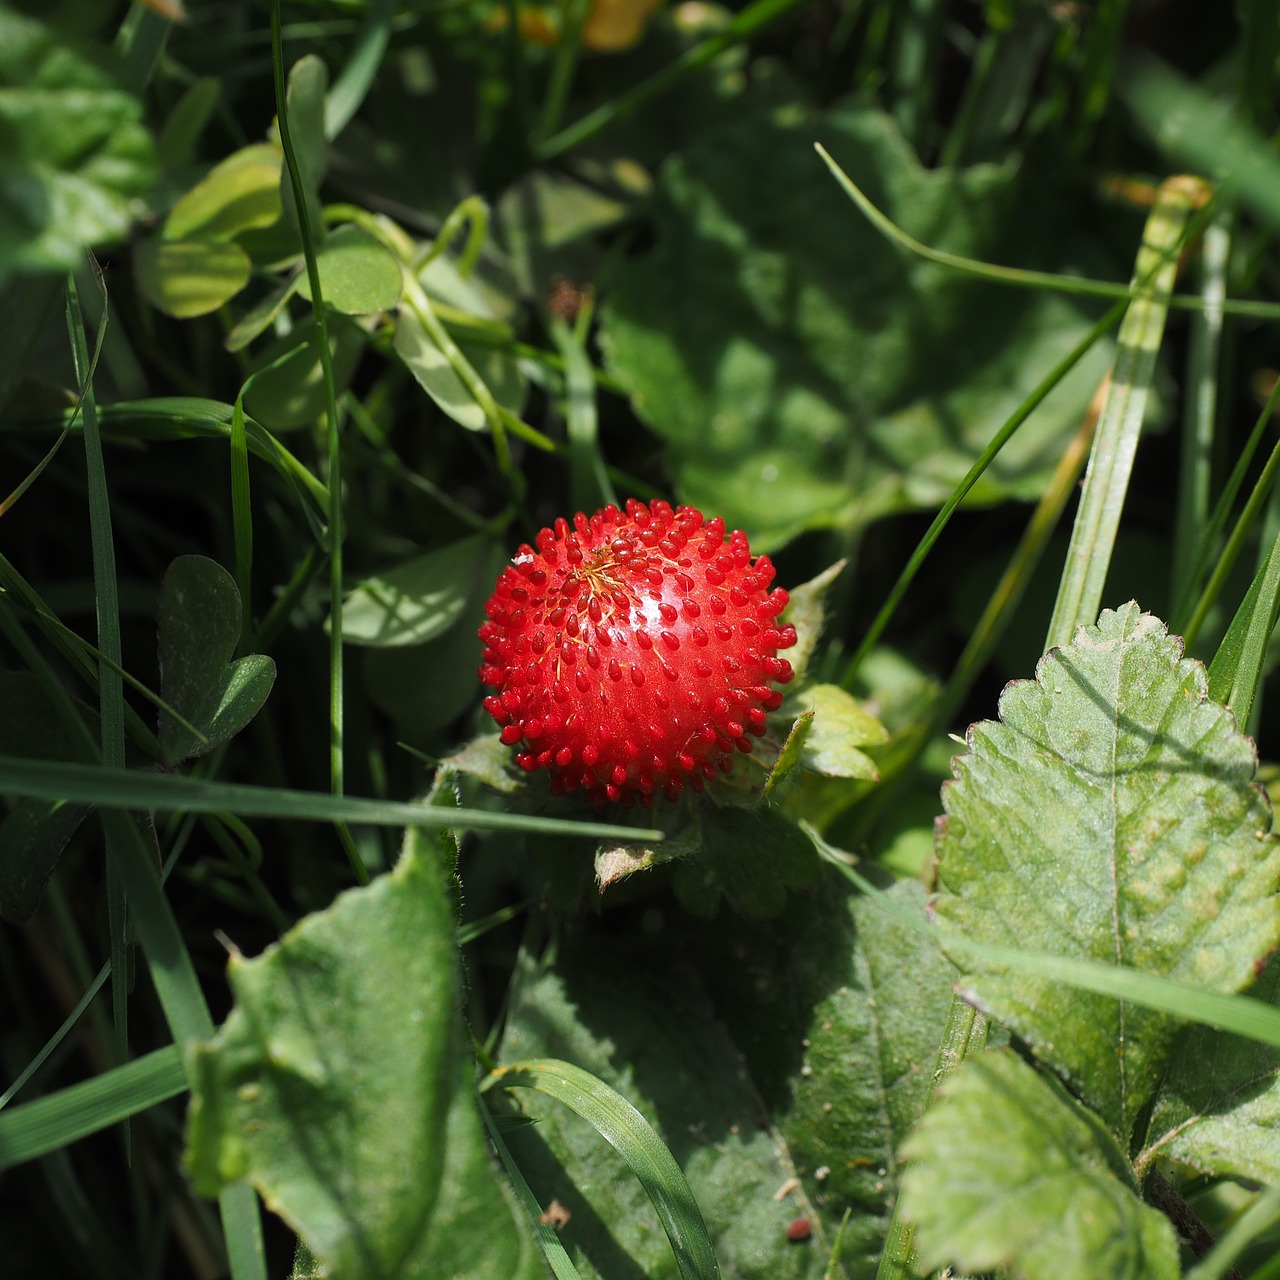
x: 338, y: 1087
x: 1110, y: 814
x: 186, y: 278
x: 240, y: 192
x: 1006, y: 1171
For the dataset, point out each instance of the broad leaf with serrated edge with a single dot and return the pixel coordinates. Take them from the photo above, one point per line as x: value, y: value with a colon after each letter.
x: 1219, y: 1108
x: 338, y: 1086
x: 1006, y: 1171
x: 1109, y: 814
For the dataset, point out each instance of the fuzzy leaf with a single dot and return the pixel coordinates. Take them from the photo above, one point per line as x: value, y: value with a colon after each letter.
x: 751, y: 856
x: 616, y: 860
x: 1110, y: 814
x: 1052, y: 1198
x: 1219, y: 1108
x: 199, y: 626
x: 337, y: 1086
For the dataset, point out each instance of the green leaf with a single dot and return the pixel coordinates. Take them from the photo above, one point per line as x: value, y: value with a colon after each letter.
x: 35, y: 1128
x: 1006, y: 1171
x: 1219, y: 1107
x: 175, y: 148
x: 648, y: 1033
x: 357, y: 274
x: 74, y: 157
x: 199, y: 624
x: 186, y: 278
x: 1110, y: 815
x: 750, y: 856
x: 239, y: 193
x: 804, y: 376
x: 429, y: 365
x: 338, y: 1087
x: 840, y: 727
x: 420, y: 598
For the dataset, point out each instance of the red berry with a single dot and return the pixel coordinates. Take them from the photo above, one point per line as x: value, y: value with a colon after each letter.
x: 633, y: 652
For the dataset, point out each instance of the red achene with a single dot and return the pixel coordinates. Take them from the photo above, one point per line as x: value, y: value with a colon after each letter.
x: 633, y: 652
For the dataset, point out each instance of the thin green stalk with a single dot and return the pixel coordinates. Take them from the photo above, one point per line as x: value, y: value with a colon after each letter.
x: 1111, y: 460
x: 754, y: 18
x: 998, y: 441
x: 242, y: 518
x: 110, y: 685
x: 566, y: 64
x: 1042, y: 280
x: 336, y: 531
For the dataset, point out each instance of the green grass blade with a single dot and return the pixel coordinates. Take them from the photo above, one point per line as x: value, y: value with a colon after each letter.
x: 589, y: 483
x: 1191, y: 513
x: 35, y: 1128
x: 356, y: 79
x: 555, y: 1253
x: 110, y: 684
x: 1024, y: 279
x: 625, y: 1129
x: 1241, y: 1015
x: 1236, y: 670
x: 1235, y: 543
x: 1111, y: 460
x: 58, y: 1036
x: 129, y: 789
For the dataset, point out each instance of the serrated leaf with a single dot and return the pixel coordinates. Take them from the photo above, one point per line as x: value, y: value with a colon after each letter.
x: 198, y: 619
x: 74, y: 157
x: 1219, y: 1107
x: 357, y: 274
x: 1110, y: 814
x: 419, y: 599
x: 1050, y: 1198
x: 238, y: 193
x: 776, y: 344
x: 337, y: 1086
x: 805, y: 611
x: 187, y: 278
x: 840, y: 727
x: 436, y: 376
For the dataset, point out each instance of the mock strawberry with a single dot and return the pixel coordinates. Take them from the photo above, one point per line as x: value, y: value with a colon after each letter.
x: 633, y: 652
